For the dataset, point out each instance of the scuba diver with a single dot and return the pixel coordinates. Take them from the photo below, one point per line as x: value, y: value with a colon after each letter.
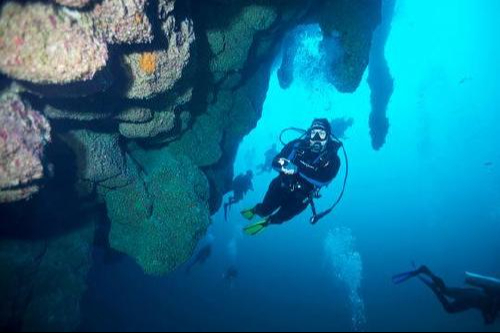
x: 231, y: 275
x: 201, y: 258
x: 241, y: 185
x: 485, y: 298
x: 267, y: 166
x: 305, y: 165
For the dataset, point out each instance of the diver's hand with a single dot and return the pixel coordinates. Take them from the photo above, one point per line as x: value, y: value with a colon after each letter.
x: 287, y: 167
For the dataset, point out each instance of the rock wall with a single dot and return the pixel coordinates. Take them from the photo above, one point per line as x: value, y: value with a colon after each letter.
x: 151, y: 99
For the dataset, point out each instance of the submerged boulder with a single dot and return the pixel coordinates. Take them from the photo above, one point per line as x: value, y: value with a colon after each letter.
x: 155, y: 72
x: 122, y: 22
x: 24, y: 134
x: 42, y: 45
x: 159, y: 219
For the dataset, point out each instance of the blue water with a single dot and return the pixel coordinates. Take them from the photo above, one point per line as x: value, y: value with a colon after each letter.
x: 430, y: 195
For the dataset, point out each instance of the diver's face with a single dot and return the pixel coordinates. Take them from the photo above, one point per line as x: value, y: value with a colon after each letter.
x: 318, y: 140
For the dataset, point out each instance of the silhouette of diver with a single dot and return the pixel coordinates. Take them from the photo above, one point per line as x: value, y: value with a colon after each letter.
x: 231, y: 274
x: 267, y: 166
x: 241, y: 185
x: 200, y: 258
x: 457, y: 300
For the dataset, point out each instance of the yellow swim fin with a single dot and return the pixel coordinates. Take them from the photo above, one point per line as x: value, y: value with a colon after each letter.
x: 256, y: 228
x: 248, y: 214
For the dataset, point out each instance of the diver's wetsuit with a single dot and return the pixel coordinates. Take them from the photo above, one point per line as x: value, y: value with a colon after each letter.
x: 289, y: 195
x: 463, y: 299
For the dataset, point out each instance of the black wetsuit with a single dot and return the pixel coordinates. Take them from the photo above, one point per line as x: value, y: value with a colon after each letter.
x: 456, y: 300
x: 289, y: 195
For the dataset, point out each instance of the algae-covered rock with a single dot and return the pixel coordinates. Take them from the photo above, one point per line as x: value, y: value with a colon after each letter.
x: 159, y: 219
x: 24, y: 134
x: 43, y: 45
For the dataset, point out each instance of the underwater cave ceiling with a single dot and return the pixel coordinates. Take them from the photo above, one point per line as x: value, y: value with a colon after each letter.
x: 149, y: 101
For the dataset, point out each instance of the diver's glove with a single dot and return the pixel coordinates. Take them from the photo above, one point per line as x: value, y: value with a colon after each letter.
x: 287, y: 167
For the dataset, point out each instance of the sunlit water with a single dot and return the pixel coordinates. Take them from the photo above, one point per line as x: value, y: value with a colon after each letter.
x: 431, y: 195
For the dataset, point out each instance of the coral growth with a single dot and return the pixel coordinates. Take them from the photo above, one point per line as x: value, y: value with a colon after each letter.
x: 147, y: 63
x: 24, y: 133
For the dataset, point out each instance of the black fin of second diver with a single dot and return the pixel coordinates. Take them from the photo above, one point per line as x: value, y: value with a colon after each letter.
x: 403, y: 277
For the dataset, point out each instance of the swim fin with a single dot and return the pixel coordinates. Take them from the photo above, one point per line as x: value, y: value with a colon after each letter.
x: 256, y: 228
x: 401, y: 278
x: 248, y: 214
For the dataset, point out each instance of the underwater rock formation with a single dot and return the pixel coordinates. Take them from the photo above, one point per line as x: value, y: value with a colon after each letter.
x: 122, y: 22
x: 156, y: 145
x: 42, y: 281
x: 73, y: 3
x: 93, y: 109
x: 155, y: 72
x: 42, y: 45
x: 380, y: 79
x: 135, y: 115
x: 353, y: 21
x: 24, y: 133
x: 161, y: 123
x: 231, y: 45
x: 159, y: 219
x: 98, y: 155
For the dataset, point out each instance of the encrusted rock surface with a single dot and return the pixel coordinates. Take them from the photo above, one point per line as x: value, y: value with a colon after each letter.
x: 24, y: 134
x: 43, y: 45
